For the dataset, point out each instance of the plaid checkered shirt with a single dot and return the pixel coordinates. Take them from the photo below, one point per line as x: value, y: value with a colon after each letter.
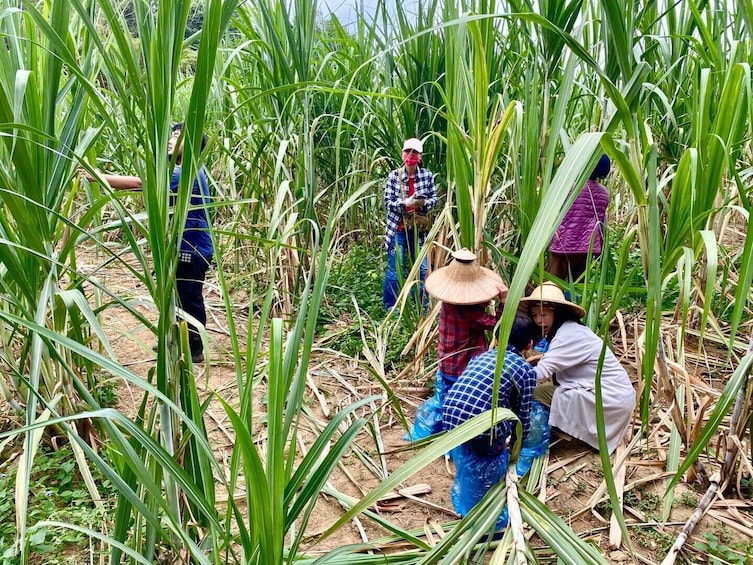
x: 462, y: 335
x: 394, y: 195
x: 472, y: 393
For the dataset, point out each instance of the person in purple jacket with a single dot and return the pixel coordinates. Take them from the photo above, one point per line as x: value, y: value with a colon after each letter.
x: 582, y: 228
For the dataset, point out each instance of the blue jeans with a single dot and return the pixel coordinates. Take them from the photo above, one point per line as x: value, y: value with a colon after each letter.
x: 400, y: 258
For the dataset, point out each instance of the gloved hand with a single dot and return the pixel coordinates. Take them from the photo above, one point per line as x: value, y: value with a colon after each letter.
x: 414, y: 201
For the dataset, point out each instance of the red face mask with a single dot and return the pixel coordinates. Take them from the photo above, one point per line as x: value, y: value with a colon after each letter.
x: 411, y: 159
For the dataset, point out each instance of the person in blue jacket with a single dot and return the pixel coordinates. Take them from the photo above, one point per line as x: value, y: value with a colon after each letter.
x: 482, y: 461
x: 196, y: 248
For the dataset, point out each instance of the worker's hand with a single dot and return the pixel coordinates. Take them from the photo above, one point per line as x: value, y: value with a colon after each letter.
x: 414, y: 201
x: 534, y: 358
x: 84, y: 173
x: 502, y: 293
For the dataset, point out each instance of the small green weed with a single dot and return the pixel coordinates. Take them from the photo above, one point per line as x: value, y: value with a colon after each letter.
x: 106, y: 393
x: 604, y: 508
x: 57, y: 492
x: 640, y: 499
x: 358, y: 275
x: 718, y: 552
x: 580, y: 488
x: 654, y: 540
x: 689, y: 499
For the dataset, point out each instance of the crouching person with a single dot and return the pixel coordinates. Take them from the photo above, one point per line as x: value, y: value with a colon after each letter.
x: 466, y: 290
x: 482, y: 462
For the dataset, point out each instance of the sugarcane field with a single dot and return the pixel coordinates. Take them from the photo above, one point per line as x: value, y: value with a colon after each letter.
x: 315, y: 282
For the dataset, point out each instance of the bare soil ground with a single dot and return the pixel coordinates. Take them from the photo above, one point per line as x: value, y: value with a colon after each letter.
x: 574, y: 478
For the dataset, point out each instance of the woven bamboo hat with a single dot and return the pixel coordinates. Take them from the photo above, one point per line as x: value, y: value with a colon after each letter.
x: 464, y: 281
x: 550, y: 293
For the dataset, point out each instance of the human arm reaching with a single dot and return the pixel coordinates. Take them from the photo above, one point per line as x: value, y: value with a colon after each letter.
x: 477, y: 316
x: 118, y: 182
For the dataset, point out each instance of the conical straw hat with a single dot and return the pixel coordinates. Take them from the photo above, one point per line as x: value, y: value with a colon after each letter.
x: 464, y: 281
x: 550, y: 293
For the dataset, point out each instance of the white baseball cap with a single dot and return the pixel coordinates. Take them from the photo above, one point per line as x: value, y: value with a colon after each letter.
x: 413, y: 143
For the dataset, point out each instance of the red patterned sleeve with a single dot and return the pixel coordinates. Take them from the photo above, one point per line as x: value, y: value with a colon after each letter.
x: 481, y: 320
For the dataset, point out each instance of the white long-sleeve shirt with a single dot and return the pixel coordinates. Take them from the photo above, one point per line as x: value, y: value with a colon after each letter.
x: 573, y: 356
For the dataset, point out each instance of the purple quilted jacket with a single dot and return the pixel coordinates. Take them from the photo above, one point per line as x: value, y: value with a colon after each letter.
x: 584, y: 219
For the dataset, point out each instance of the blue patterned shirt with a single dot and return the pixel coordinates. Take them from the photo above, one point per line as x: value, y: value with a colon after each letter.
x: 472, y: 393
x: 394, y: 196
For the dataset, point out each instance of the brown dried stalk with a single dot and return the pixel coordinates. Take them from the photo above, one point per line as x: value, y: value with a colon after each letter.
x: 718, y: 480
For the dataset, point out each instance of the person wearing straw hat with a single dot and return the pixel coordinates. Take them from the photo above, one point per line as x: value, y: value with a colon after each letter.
x: 572, y: 361
x: 466, y: 290
x: 409, y: 191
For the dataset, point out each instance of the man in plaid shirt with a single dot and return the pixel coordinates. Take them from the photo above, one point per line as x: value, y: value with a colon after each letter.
x: 481, y: 462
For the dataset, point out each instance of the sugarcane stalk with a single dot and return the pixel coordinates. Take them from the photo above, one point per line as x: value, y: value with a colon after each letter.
x: 516, y: 518
x: 667, y: 390
x: 718, y: 480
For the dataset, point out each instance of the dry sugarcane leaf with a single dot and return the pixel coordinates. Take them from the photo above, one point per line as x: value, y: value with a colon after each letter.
x: 732, y: 503
x: 388, y: 507
x: 732, y: 523
x: 640, y: 516
x: 423, y: 331
x: 698, y: 423
x: 723, y: 505
x: 414, y: 490
x: 319, y: 396
x: 742, y: 519
x: 542, y: 496
x: 437, y: 527
x: 432, y: 505
x: 571, y: 472
x: 447, y: 467
x: 623, y: 331
x: 645, y: 463
x: 599, y: 517
x: 744, y: 466
x: 619, y: 461
x: 553, y: 466
x: 429, y: 533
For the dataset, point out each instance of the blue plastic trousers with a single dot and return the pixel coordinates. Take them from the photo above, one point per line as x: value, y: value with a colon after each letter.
x: 400, y: 257
x: 429, y: 415
x: 475, y: 474
x: 536, y: 442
